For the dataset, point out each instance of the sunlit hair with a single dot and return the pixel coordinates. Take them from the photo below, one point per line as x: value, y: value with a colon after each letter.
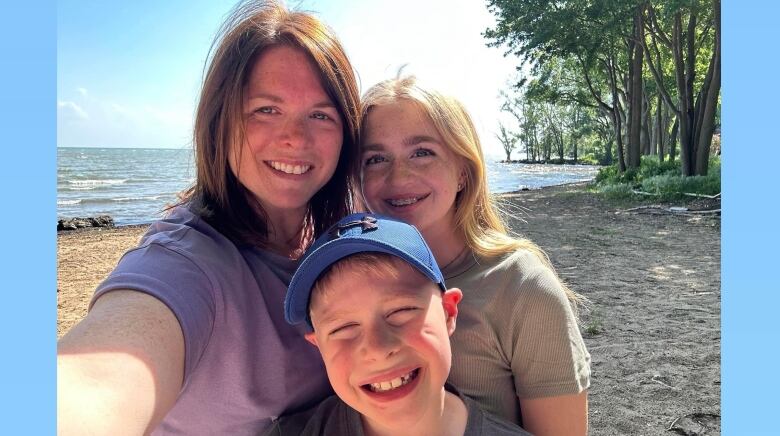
x: 217, y: 195
x: 476, y: 209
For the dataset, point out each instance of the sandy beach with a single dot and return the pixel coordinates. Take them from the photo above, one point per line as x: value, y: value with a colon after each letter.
x: 653, y: 281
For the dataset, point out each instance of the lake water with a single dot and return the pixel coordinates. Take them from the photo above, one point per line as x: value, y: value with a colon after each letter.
x: 134, y: 184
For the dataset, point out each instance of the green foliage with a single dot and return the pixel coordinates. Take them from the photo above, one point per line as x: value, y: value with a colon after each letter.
x: 617, y: 191
x: 714, y: 166
x: 589, y: 159
x: 651, y: 166
x: 610, y: 176
x: 606, y: 175
x: 595, y: 326
x: 577, y: 53
x: 663, y: 179
x: 669, y: 187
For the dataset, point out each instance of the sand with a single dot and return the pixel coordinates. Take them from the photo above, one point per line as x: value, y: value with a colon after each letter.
x: 653, y: 281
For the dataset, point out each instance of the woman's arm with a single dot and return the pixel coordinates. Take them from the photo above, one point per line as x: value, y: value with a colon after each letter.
x: 560, y: 415
x: 119, y: 371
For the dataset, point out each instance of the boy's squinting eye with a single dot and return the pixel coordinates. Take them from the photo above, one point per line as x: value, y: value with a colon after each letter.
x: 345, y: 331
x: 403, y: 314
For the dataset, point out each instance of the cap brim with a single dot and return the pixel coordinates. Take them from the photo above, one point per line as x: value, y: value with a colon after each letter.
x: 296, y: 302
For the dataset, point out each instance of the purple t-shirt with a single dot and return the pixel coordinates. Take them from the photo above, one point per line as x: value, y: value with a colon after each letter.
x: 244, y: 365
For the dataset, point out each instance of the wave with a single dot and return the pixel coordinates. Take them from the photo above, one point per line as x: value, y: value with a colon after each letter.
x: 97, y: 182
x: 111, y: 200
x: 153, y: 197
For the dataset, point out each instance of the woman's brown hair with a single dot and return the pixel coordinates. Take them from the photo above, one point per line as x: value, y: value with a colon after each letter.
x: 217, y: 195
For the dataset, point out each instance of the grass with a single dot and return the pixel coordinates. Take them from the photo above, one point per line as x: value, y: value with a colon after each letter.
x: 596, y: 325
x: 662, y: 180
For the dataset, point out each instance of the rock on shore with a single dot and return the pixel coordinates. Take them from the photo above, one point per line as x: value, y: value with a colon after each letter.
x: 79, y: 223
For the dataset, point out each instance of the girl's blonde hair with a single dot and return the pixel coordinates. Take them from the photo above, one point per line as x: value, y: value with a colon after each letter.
x: 476, y: 209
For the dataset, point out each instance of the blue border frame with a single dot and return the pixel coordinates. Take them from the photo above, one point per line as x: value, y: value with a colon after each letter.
x: 28, y: 184
x: 750, y: 300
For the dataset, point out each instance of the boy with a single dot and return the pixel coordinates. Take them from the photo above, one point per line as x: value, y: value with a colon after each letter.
x: 381, y: 317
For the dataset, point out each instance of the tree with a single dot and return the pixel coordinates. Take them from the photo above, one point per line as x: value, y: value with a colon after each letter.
x: 644, y: 64
x: 695, y: 111
x: 595, y: 33
x: 635, y: 87
x: 508, y: 140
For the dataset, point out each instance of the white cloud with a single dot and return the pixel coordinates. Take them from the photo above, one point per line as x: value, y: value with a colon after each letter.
x: 83, y: 92
x: 113, y: 123
x: 169, y: 116
x: 69, y: 108
x: 440, y: 42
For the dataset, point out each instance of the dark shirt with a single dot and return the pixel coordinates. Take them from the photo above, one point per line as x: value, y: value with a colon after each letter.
x: 333, y: 417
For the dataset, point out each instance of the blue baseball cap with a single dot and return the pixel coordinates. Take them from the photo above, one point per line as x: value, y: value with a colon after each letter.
x: 357, y: 233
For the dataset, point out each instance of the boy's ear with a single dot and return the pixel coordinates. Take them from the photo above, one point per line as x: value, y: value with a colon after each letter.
x: 312, y: 338
x: 449, y: 300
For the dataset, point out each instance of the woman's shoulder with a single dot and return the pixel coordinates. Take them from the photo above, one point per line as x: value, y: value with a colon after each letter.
x: 525, y: 274
x: 522, y: 262
x: 179, y: 244
x: 185, y: 232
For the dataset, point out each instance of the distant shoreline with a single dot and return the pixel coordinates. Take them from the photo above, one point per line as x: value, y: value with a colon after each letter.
x: 141, y: 224
x: 550, y: 162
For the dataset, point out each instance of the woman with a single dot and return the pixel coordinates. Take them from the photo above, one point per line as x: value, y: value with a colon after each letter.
x: 187, y: 334
x: 517, y: 349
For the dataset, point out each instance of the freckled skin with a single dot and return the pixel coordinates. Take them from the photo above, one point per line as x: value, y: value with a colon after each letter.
x: 403, y: 156
x: 288, y: 118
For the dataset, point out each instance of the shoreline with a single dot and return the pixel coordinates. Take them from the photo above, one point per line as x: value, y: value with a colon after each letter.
x: 653, y: 322
x: 144, y: 224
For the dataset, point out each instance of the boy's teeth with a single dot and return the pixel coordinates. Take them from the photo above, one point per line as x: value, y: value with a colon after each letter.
x: 392, y: 384
x: 289, y: 169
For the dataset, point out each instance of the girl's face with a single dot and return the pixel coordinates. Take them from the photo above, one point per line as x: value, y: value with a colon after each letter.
x: 407, y: 170
x: 293, y: 132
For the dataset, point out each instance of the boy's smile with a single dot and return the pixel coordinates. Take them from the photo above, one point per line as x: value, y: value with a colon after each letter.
x: 389, y: 385
x: 383, y: 332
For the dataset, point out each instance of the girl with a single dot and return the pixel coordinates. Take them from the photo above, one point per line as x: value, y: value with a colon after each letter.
x: 517, y: 349
x: 187, y: 334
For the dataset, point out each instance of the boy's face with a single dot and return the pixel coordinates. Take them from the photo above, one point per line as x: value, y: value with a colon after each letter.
x: 385, y: 341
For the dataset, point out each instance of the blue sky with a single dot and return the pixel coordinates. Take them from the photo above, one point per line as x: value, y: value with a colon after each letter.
x: 128, y: 73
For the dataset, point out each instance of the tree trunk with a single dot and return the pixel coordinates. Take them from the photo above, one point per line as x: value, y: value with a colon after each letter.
x: 619, y: 138
x: 709, y: 91
x: 660, y: 132
x: 646, y: 138
x: 574, y: 146
x: 635, y: 75
x: 673, y: 139
x: 684, y: 68
x: 561, y: 144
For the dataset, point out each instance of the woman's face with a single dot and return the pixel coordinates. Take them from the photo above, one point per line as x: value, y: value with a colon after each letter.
x: 293, y: 132
x: 407, y: 170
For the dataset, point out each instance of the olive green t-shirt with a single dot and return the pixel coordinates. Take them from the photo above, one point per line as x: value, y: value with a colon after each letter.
x: 516, y: 334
